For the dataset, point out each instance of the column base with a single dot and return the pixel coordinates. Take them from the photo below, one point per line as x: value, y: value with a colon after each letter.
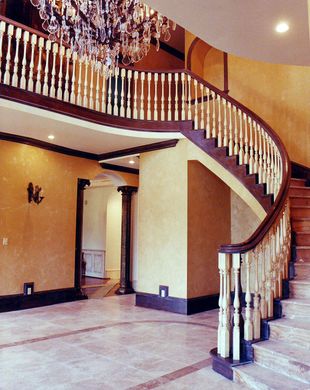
x: 124, y: 291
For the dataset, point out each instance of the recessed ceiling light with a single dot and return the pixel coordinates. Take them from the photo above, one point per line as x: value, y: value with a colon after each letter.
x: 51, y: 137
x: 282, y: 27
x: 131, y: 162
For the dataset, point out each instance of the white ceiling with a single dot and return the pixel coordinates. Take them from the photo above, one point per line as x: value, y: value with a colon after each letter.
x: 246, y: 27
x: 72, y: 133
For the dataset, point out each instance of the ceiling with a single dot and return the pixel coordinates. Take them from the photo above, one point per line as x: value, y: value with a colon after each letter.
x: 246, y: 28
x: 74, y: 133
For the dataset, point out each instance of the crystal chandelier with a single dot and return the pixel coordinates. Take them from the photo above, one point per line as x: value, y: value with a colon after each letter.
x: 104, y: 31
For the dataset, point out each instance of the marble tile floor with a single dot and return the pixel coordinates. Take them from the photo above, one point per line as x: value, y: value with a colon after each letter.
x: 107, y: 344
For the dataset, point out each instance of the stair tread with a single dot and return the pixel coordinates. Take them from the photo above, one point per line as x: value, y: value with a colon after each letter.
x: 296, y: 301
x: 300, y: 207
x: 298, y: 323
x: 303, y: 282
x: 300, y: 196
x: 292, y: 351
x: 305, y: 232
x: 299, y: 187
x: 271, y: 378
x: 298, y: 263
x: 303, y: 246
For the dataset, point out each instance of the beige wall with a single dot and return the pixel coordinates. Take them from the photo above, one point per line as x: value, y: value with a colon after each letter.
x: 208, y: 227
x: 41, y: 237
x: 162, y: 225
x: 279, y: 94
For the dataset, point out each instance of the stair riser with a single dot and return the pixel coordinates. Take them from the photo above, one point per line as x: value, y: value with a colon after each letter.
x: 304, y: 191
x: 299, y: 290
x: 292, y: 310
x: 300, y: 212
x: 303, y: 254
x: 244, y: 379
x: 300, y: 201
x: 290, y: 335
x: 298, y: 183
x: 285, y: 365
x: 302, y: 272
x: 303, y: 239
x: 301, y: 226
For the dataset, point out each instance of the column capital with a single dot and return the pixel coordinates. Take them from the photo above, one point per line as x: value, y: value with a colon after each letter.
x: 127, y: 190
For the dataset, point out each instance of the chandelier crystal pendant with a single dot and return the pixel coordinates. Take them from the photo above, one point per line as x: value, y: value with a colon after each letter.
x: 104, y: 31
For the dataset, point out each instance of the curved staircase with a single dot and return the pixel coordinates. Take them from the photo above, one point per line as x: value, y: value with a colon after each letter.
x: 253, y: 274
x: 284, y: 360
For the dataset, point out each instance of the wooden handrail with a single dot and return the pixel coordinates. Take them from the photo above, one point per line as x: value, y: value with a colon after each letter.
x: 23, y: 27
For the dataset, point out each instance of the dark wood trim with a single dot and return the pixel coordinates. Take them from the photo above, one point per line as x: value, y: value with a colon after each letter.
x: 119, y: 168
x: 41, y: 298
x: 169, y: 49
x: 81, y: 184
x: 47, y: 146
x: 225, y: 61
x: 139, y: 149
x: 300, y: 171
x: 51, y: 104
x: 177, y: 305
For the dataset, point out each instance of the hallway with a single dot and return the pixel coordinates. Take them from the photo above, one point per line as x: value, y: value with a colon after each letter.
x: 107, y: 344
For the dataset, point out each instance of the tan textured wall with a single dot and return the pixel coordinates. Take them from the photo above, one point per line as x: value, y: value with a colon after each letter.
x: 208, y: 227
x: 162, y: 225
x: 244, y: 221
x: 280, y: 94
x: 41, y: 238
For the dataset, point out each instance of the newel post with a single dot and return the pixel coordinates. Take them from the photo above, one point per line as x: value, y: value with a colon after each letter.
x: 125, y: 282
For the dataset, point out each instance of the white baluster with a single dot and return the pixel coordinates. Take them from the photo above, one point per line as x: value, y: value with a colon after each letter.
x: 109, y: 107
x: 128, y: 109
x: 169, y: 96
x: 196, y: 105
x: 225, y: 266
x: 189, y: 98
x: 135, y: 96
x: 31, y: 66
x: 122, y: 108
x: 260, y: 155
x: 48, y: 47
x: 97, y: 99
x: 256, y: 311
x: 220, y: 319
x: 219, y: 134
x: 251, y: 160
x: 202, y: 108
x: 263, y: 301
x: 162, y: 114
x: 208, y: 128
x: 7, y: 76
x: 255, y: 166
x: 213, y: 114
x: 142, y: 96
x: 237, y: 307
x: 60, y: 73
x: 248, y: 324
x: 176, y: 98
x: 66, y: 93
x: 85, y: 94
x: 246, y: 140
x: 103, y: 91
x: 225, y: 136
x: 269, y: 289
x: 268, y: 170
x: 73, y: 79
x: 271, y: 166
x: 149, y: 79
x: 230, y: 134
x: 264, y: 178
x: 91, y: 85
x: 236, y: 141
x: 156, y: 97
x: 183, y: 96
x: 38, y: 85
x: 241, y: 150
x: 18, y: 35
x: 2, y: 31
x: 52, y: 89
x: 115, y: 106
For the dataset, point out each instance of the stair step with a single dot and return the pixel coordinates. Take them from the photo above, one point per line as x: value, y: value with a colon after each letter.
x: 297, y: 190
x: 293, y: 330
x: 298, y: 182
x: 300, y: 288
x: 302, y: 270
x: 300, y: 200
x: 296, y: 308
x: 257, y: 377
x: 301, y: 224
x: 303, y: 238
x: 303, y: 253
x: 300, y: 211
x: 285, y: 358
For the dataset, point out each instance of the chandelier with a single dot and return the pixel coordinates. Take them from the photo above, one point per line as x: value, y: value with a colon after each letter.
x: 104, y: 31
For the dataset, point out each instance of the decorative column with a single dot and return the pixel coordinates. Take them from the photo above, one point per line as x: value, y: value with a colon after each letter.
x: 125, y: 282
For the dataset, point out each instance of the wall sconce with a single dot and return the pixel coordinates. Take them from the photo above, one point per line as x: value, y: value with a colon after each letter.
x: 34, y: 194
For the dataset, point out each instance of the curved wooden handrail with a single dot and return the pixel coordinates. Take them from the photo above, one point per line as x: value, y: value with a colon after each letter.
x: 277, y: 207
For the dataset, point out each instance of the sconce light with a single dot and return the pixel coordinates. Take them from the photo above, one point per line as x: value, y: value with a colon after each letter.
x: 34, y: 194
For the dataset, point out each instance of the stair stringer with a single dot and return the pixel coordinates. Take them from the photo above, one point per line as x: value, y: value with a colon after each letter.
x: 195, y: 153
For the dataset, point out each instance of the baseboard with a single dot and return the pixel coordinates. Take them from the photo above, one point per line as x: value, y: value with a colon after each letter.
x: 177, y: 305
x: 41, y: 298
